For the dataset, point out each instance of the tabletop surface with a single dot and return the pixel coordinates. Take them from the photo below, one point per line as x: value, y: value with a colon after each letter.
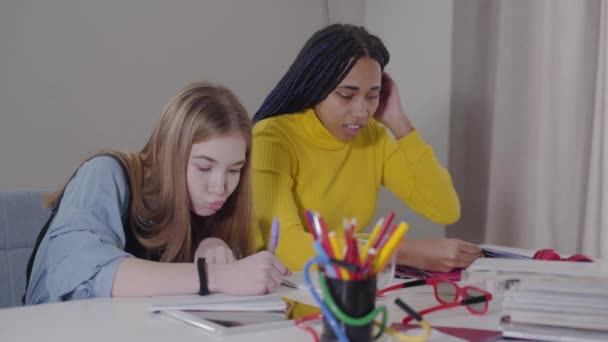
x: 128, y: 319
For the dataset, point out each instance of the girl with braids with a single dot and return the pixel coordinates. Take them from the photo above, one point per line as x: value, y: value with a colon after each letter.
x: 318, y: 144
x: 171, y: 219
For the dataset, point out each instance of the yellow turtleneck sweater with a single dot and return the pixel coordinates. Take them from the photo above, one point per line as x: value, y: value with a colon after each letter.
x: 298, y: 164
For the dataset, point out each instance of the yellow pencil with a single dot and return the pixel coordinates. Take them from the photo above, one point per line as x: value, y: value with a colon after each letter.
x: 338, y: 253
x: 391, y: 245
x: 370, y: 241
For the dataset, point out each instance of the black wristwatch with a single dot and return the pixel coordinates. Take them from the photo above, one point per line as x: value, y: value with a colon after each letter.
x: 202, y: 277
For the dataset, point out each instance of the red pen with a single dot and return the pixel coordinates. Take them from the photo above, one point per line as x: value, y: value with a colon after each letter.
x: 387, y: 224
x: 323, y: 238
x: 355, y: 246
x: 368, y: 269
x: 311, y: 227
x: 386, y: 237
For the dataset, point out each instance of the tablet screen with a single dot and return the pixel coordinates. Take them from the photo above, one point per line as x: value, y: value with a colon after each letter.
x: 238, y: 318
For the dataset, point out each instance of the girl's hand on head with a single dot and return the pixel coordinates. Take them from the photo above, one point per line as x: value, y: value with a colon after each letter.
x: 390, y: 110
x: 438, y: 254
x: 215, y: 251
x: 257, y: 274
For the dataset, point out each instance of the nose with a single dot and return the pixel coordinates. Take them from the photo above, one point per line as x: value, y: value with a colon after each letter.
x: 217, y: 183
x: 359, y: 109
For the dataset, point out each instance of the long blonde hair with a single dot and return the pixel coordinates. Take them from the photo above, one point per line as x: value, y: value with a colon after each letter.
x: 160, y: 215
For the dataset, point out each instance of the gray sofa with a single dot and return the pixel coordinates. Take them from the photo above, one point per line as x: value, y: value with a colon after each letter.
x: 21, y: 218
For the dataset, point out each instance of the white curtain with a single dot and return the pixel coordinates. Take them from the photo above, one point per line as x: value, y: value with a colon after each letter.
x: 527, y: 126
x: 595, y: 221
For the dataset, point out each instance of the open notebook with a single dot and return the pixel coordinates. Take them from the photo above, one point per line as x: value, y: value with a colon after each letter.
x: 220, y: 314
x: 221, y: 302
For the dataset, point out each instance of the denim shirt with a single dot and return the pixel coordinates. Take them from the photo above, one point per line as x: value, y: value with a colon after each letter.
x: 79, y: 255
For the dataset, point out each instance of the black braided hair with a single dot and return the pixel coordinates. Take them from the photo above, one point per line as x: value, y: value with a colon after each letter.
x: 324, y: 61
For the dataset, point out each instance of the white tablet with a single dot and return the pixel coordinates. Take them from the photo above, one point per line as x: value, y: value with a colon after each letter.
x: 232, y: 322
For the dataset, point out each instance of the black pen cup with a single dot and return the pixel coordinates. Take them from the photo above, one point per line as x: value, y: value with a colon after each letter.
x: 356, y: 298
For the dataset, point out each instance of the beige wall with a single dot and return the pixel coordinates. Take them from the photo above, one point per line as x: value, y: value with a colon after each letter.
x: 418, y: 35
x: 79, y: 75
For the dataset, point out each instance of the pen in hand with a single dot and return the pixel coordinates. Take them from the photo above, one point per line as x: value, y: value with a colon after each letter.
x: 274, y: 235
x: 272, y: 247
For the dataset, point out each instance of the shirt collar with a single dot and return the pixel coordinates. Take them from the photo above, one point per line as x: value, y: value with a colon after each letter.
x: 317, y: 132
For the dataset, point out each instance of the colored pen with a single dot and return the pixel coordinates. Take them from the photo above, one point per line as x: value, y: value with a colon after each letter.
x: 333, y: 240
x: 311, y: 224
x: 323, y: 236
x: 331, y: 272
x: 390, y: 246
x: 336, y: 246
x: 384, y: 230
x: 351, y: 245
x: 371, y: 239
x: 322, y: 226
x: 274, y: 235
x: 390, y: 232
x: 368, y: 267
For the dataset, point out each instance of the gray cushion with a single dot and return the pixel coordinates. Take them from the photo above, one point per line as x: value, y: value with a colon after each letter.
x: 21, y: 218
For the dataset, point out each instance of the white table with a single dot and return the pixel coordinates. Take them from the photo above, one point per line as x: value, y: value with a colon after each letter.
x: 127, y: 319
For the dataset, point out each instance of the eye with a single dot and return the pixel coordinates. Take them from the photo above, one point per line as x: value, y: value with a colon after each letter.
x: 204, y: 169
x: 373, y: 96
x: 235, y: 171
x: 345, y: 96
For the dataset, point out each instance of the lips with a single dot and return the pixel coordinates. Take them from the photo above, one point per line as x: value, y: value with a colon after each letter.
x: 217, y: 205
x: 352, y: 129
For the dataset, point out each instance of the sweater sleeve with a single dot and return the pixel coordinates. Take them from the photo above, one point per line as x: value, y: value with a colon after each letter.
x: 412, y: 173
x: 86, y: 239
x: 273, y: 182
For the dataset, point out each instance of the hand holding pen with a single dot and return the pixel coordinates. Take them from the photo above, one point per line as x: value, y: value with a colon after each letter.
x: 275, y: 232
x: 263, y: 271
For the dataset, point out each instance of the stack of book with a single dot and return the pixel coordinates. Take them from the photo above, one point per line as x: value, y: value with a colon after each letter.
x: 548, y: 300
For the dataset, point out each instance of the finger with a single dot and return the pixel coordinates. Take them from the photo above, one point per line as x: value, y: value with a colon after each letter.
x: 468, y: 258
x: 227, y: 255
x: 276, y: 263
x: 451, y: 264
x: 462, y: 264
x: 442, y: 268
x: 209, y: 257
x: 465, y: 260
x: 271, y: 285
x: 275, y: 279
x: 230, y: 256
x: 385, y: 84
x: 468, y: 247
x: 220, y: 255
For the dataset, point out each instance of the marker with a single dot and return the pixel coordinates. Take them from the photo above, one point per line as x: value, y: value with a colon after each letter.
x: 274, y: 235
x: 390, y: 246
